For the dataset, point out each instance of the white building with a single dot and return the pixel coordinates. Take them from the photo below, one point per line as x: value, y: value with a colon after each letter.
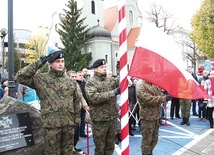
x: 20, y: 37
x: 103, y: 36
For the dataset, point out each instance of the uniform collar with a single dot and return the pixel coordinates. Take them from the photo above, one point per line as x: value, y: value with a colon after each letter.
x: 56, y: 73
x: 100, y: 76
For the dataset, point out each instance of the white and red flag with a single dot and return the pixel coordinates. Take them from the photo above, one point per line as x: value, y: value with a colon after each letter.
x: 158, y: 59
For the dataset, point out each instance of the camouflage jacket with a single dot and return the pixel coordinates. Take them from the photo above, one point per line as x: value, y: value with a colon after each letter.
x: 150, y: 98
x: 102, y: 100
x: 59, y: 98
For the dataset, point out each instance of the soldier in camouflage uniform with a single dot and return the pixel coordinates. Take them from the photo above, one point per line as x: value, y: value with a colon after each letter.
x: 185, y: 105
x: 101, y: 92
x: 59, y: 101
x: 150, y: 98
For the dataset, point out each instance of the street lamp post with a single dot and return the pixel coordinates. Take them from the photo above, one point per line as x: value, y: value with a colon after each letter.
x: 11, y: 86
x: 3, y: 34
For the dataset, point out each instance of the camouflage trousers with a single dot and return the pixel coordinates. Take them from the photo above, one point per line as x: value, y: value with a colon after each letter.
x: 149, y: 130
x: 185, y: 108
x: 104, y: 137
x: 59, y: 141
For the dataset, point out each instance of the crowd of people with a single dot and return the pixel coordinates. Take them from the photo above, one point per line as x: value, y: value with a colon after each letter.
x: 204, y: 106
x: 66, y: 96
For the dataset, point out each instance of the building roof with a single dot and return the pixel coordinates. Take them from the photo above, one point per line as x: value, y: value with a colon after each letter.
x: 110, y: 18
x: 110, y: 21
x: 98, y: 31
x: 132, y: 36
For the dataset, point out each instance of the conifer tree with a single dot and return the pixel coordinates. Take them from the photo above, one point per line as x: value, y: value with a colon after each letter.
x: 73, y: 36
x: 16, y: 60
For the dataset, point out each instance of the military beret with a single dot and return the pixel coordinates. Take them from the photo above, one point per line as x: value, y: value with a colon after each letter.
x: 98, y: 63
x: 54, y: 53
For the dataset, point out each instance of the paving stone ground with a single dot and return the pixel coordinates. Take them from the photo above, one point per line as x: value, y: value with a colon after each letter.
x: 174, y: 139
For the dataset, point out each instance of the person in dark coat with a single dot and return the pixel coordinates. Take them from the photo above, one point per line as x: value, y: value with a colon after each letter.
x: 82, y: 83
x: 175, y: 108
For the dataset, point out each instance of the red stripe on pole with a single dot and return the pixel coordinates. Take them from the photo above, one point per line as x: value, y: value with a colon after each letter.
x: 126, y: 151
x: 125, y: 109
x: 122, y: 36
x: 125, y: 131
x: 122, y: 62
x: 122, y: 13
x: 123, y: 83
x: 123, y: 78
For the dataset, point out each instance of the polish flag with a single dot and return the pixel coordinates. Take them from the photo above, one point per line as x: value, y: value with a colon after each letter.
x: 158, y: 59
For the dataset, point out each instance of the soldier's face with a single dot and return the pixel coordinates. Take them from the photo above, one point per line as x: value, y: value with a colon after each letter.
x: 58, y: 64
x: 101, y: 69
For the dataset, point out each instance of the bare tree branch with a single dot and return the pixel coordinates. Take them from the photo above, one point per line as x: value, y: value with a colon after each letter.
x: 161, y: 18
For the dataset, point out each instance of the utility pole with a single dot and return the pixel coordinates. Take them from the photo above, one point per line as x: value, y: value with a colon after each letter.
x: 11, y: 86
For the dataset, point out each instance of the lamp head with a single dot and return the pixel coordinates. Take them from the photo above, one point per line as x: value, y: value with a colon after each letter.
x: 3, y: 32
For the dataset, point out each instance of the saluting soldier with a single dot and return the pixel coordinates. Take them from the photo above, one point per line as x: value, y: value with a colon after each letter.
x: 59, y: 98
x: 101, y: 93
x: 150, y: 98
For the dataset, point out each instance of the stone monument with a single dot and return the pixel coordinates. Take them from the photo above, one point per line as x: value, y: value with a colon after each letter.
x: 10, y: 106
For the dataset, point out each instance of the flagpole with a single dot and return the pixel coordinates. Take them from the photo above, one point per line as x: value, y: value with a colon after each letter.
x: 123, y: 77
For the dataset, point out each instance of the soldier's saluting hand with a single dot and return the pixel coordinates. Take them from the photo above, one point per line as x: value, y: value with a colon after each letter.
x: 58, y: 98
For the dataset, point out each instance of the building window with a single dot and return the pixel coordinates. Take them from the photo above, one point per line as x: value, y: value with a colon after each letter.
x: 130, y: 16
x: 92, y: 7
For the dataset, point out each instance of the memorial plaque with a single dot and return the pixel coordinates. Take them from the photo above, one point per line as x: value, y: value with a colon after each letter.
x: 15, y: 131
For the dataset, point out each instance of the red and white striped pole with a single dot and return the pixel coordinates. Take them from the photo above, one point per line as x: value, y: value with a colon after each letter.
x: 123, y: 77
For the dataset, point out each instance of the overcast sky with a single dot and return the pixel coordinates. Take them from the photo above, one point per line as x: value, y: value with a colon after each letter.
x: 182, y: 10
x: 30, y: 14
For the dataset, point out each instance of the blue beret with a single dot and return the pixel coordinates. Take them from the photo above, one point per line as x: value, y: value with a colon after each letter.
x: 98, y: 63
x: 54, y: 53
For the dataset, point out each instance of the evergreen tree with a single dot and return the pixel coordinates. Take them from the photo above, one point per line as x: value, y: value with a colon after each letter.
x: 16, y: 60
x: 73, y: 36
